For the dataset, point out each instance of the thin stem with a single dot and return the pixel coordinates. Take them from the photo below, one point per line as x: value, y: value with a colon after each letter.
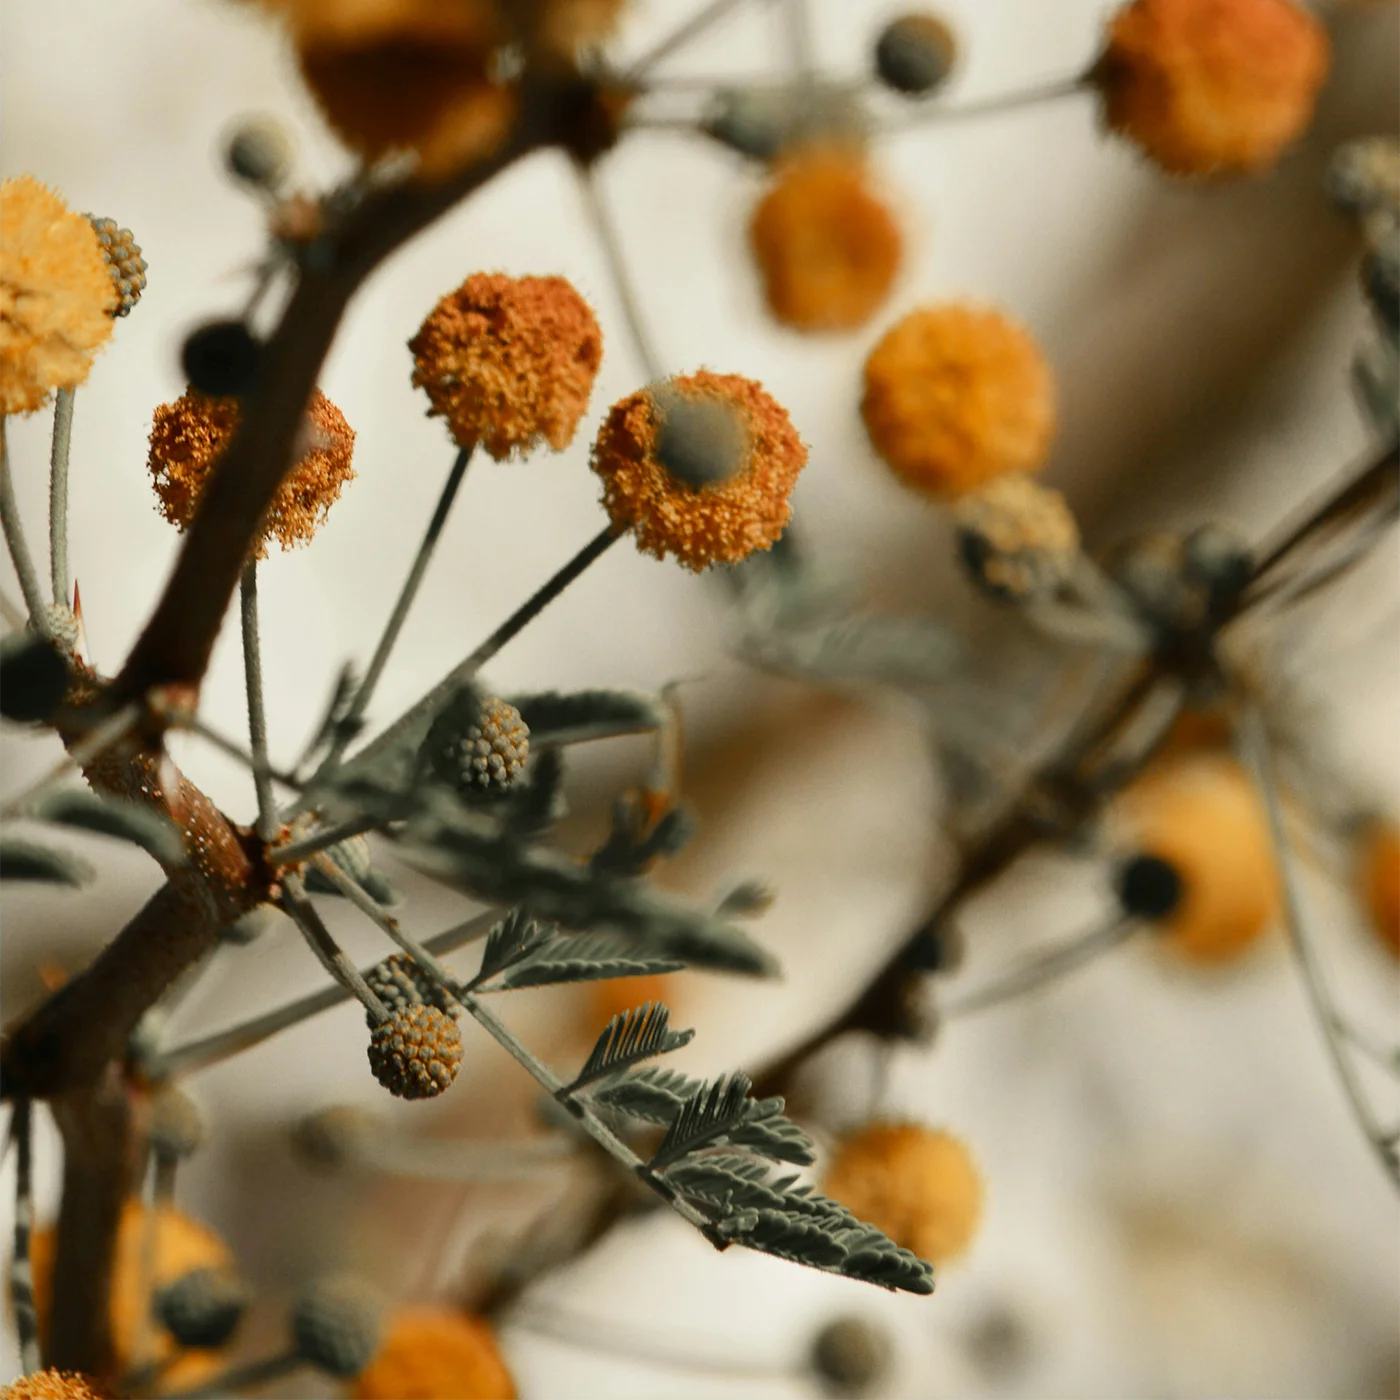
x: 936, y: 114
x: 294, y: 852
x: 268, y: 825
x: 394, y: 626
x: 21, y: 1270
x: 468, y: 1162
x: 200, y: 1054
x: 683, y: 34
x: 14, y: 539
x: 111, y: 731
x: 608, y: 239
x: 1386, y: 1057
x: 1039, y: 970
x: 58, y: 494
x: 323, y: 944
x: 1252, y: 741
x: 419, y: 714
x: 244, y: 1377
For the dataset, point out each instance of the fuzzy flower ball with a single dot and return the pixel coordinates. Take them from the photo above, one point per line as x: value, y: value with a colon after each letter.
x: 182, y: 1245
x: 405, y: 75
x: 509, y: 362
x: 1202, y: 816
x: 1018, y: 539
x: 1212, y: 87
x: 1379, y: 878
x: 53, y: 1385
x: 827, y: 246
x: 189, y: 435
x: 436, y: 1354
x: 700, y: 467
x: 957, y: 395
x: 916, y: 1184
x: 57, y: 297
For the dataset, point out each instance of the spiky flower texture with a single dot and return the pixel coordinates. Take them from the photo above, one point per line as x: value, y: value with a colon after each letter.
x: 436, y: 1354
x: 1212, y: 87
x: 916, y: 1184
x: 957, y: 395
x: 701, y: 522
x: 827, y: 245
x: 57, y: 296
x: 509, y: 362
x: 416, y: 1053
x: 53, y: 1385
x: 189, y: 435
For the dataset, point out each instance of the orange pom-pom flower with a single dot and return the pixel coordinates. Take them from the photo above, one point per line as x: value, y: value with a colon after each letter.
x: 957, y: 395
x: 436, y: 1354
x: 1211, y: 87
x: 1378, y: 873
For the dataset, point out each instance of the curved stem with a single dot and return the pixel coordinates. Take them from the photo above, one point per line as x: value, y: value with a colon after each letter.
x: 938, y: 114
x: 58, y: 495
x: 257, y: 712
x: 21, y: 1271
x: 18, y: 546
x: 330, y: 953
x: 678, y: 37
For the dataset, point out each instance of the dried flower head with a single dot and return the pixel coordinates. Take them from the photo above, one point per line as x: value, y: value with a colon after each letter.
x: 126, y: 266
x: 1203, y: 817
x: 416, y: 1053
x: 509, y: 361
x: 436, y: 1354
x: 406, y: 75
x: 53, y: 1385
x: 828, y: 247
x: 1211, y: 87
x: 916, y: 1184
x: 1378, y: 876
x: 188, y: 436
x: 56, y: 295
x: 337, y: 1324
x: 957, y: 395
x: 720, y: 521
x: 182, y: 1245
x: 478, y: 745
x: 1017, y: 539
x: 915, y: 53
x: 399, y: 983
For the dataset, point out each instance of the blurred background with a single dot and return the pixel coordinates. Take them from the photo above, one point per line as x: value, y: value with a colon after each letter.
x: 1178, y: 1203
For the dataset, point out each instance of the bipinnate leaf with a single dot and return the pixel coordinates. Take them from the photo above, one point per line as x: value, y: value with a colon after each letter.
x: 580, y: 715
x: 635, y: 1035
x: 653, y: 1095
x: 111, y: 816
x: 24, y: 860
x: 588, y: 957
x: 515, y: 937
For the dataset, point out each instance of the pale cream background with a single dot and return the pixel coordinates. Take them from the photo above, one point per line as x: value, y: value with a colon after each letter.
x: 1178, y: 1203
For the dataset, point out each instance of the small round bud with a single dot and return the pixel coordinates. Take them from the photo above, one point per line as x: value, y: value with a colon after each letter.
x: 335, y: 1138
x: 337, y: 1325
x: 478, y: 746
x: 33, y: 677
x: 259, y: 153
x: 399, y: 983
x: 915, y: 54
x: 755, y: 122
x: 699, y: 441
x: 1148, y: 887
x: 416, y: 1053
x: 1218, y: 560
x: 221, y: 358
x: 203, y: 1308
x: 850, y: 1356
x: 124, y: 261
x: 1017, y: 540
x: 176, y: 1126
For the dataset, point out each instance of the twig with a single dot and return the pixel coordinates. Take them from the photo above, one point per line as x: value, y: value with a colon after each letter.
x: 1251, y: 738
x: 200, y: 1054
x: 323, y: 944
x: 683, y: 34
x: 21, y: 1270
x: 304, y: 847
x: 268, y: 824
x: 58, y: 495
x: 392, y: 628
x: 1040, y: 969
x: 938, y: 114
x: 14, y: 539
x: 608, y: 239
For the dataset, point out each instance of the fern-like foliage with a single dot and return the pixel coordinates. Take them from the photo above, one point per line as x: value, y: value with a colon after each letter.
x: 514, y: 938
x: 588, y: 957
x: 556, y: 718
x: 718, y: 1111
x: 639, y: 1034
x: 653, y: 1095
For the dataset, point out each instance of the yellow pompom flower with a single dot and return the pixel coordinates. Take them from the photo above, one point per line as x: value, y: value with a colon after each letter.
x: 1211, y: 87
x: 436, y: 1354
x: 957, y: 395
x: 56, y: 295
x: 916, y: 1184
x: 827, y: 245
x: 1203, y: 817
x: 182, y: 1245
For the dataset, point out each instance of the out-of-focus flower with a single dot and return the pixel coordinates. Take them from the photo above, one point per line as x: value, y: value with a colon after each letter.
x: 1018, y: 539
x: 436, y: 1354
x: 53, y: 1385
x: 1378, y: 874
x: 57, y: 297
